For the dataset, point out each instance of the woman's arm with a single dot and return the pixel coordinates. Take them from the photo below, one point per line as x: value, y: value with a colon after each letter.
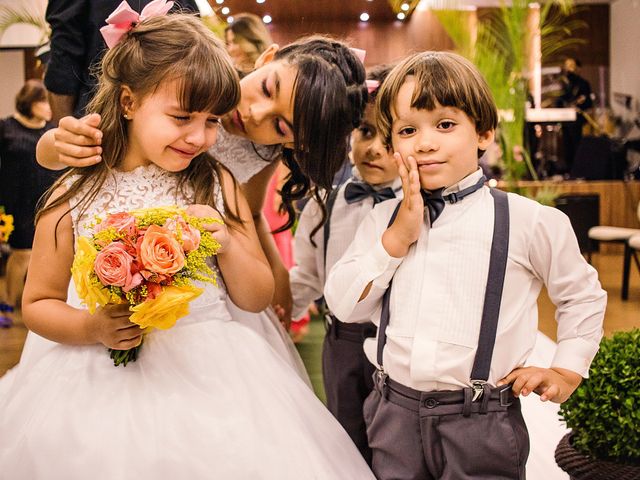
x: 44, y: 307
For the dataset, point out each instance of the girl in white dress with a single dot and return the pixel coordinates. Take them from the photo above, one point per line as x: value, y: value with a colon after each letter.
x: 208, y: 398
x: 299, y: 106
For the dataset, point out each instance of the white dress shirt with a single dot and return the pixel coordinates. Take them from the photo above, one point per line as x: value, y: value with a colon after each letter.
x: 438, y: 290
x: 307, y: 277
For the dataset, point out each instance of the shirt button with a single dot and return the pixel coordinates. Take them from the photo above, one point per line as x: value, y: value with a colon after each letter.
x: 431, y: 403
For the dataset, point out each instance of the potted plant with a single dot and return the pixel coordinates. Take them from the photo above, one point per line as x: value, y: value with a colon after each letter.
x: 604, y: 415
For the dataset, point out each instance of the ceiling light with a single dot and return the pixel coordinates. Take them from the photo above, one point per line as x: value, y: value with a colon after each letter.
x: 401, y: 16
x: 267, y: 19
x: 219, y: 2
x: 225, y: 10
x: 229, y: 19
x: 364, y: 17
x: 259, y: 1
x: 404, y: 7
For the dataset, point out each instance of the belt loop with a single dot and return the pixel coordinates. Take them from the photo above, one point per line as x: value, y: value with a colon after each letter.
x: 468, y: 396
x: 505, y: 396
x: 484, y: 407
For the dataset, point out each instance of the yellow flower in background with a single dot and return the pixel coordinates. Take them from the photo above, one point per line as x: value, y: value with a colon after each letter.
x: 163, y: 311
x: 6, y: 225
x: 89, y: 290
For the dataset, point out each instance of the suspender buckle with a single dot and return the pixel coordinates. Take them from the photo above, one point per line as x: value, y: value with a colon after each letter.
x: 478, y: 389
x: 380, y: 381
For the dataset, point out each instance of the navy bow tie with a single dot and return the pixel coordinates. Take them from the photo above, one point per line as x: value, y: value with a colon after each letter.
x: 434, y: 201
x: 357, y: 191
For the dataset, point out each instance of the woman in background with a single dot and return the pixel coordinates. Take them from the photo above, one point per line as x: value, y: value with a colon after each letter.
x: 22, y: 183
x: 246, y: 38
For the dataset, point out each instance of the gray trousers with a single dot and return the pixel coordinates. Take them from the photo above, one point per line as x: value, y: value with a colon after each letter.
x: 425, y: 436
x: 347, y: 378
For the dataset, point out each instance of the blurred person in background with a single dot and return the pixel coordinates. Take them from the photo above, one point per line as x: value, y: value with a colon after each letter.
x: 246, y: 38
x: 22, y: 183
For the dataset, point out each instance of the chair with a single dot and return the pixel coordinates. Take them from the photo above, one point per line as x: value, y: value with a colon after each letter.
x: 603, y: 233
x: 630, y: 251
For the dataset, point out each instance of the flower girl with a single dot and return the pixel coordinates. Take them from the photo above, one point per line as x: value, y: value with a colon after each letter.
x: 208, y: 398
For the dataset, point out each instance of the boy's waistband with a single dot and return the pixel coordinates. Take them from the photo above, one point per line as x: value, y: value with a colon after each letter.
x: 446, y: 402
x: 351, y: 332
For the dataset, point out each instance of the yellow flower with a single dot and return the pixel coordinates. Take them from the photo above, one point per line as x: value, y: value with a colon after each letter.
x: 90, y: 291
x: 163, y: 311
x: 6, y: 225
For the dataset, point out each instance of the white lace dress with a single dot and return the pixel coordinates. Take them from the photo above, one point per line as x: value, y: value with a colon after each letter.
x: 245, y: 159
x: 206, y: 399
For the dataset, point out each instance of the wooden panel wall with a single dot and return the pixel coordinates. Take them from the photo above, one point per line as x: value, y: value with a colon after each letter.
x: 618, y: 201
x: 384, y: 42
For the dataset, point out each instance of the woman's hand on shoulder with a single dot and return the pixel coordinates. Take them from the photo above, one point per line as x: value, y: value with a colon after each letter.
x: 77, y: 141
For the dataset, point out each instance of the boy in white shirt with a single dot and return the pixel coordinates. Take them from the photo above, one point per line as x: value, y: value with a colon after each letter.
x: 347, y: 374
x: 467, y: 264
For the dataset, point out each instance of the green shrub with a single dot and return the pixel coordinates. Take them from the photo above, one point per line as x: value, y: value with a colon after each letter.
x: 604, y: 412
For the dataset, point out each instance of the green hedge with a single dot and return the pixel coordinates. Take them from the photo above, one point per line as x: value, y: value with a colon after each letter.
x: 604, y: 412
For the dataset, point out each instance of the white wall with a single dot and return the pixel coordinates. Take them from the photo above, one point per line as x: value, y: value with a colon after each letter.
x: 11, y: 79
x: 625, y: 42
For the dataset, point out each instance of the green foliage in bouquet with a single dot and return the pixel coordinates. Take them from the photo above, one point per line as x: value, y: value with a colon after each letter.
x: 604, y: 412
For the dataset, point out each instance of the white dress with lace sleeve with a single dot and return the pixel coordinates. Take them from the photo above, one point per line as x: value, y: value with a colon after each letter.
x: 208, y: 398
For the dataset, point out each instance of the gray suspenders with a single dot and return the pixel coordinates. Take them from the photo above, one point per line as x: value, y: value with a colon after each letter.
x: 492, y: 298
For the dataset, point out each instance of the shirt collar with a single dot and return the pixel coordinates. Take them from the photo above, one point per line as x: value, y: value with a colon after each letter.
x: 467, y: 181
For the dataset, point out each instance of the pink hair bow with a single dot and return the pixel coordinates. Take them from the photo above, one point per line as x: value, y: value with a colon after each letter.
x: 372, y: 85
x: 124, y: 18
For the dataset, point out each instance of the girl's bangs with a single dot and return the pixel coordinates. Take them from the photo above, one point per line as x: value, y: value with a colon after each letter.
x: 207, y: 86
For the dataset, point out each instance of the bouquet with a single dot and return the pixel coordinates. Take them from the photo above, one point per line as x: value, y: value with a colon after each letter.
x: 148, y: 258
x: 6, y: 225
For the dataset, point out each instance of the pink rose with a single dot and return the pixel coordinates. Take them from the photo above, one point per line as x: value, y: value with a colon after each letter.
x: 122, y: 222
x: 188, y: 235
x: 113, y: 265
x: 160, y: 251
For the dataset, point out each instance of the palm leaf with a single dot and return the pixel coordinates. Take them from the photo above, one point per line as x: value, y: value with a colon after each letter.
x: 31, y: 16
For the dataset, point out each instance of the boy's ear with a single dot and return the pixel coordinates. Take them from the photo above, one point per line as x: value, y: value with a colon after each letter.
x: 267, y: 56
x: 127, y: 101
x: 485, y: 139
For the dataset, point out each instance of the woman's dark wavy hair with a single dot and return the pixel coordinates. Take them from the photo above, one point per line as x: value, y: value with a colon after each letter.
x: 330, y: 97
x: 172, y: 48
x: 378, y: 73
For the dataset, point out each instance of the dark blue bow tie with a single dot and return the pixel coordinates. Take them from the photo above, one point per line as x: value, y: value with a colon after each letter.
x: 357, y: 191
x: 434, y: 201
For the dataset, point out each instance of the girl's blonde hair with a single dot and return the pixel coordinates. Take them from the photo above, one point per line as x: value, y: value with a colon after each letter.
x: 172, y: 48
x: 443, y: 78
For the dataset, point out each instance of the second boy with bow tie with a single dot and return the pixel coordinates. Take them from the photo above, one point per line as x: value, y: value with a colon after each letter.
x: 346, y: 371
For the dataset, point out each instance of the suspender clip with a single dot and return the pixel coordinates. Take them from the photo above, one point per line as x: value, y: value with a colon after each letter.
x: 478, y: 389
x: 380, y: 381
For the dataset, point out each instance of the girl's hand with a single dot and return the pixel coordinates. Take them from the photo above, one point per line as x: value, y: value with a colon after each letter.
x: 219, y: 231
x: 405, y: 229
x: 77, y: 141
x: 111, y: 327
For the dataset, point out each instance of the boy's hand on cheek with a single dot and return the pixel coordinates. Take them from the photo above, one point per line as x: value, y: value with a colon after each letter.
x: 405, y: 229
x: 555, y: 384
